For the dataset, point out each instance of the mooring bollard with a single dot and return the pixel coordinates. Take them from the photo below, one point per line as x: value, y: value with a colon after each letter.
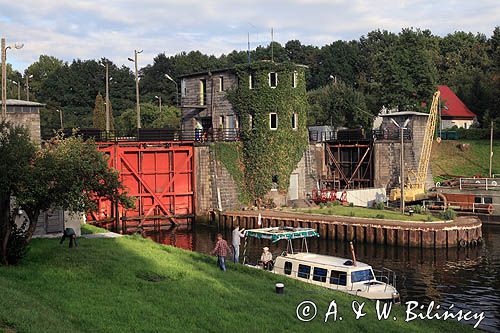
x: 280, y: 288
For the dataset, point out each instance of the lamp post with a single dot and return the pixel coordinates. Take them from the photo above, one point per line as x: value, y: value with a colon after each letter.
x: 4, y: 49
x: 159, y: 101
x: 60, y: 117
x: 138, y: 107
x: 176, y: 89
x: 108, y: 127
x: 28, y: 86
x: 18, y: 88
x: 491, y: 148
x: 401, y: 161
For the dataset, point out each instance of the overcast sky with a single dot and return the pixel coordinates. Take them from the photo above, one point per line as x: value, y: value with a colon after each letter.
x: 114, y: 28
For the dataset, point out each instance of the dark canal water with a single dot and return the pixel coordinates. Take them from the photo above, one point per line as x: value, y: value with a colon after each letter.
x: 468, y: 278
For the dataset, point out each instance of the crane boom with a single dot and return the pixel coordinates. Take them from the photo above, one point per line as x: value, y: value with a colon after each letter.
x: 425, y: 154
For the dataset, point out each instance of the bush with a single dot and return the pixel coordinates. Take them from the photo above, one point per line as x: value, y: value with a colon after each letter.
x: 429, y: 218
x: 351, y: 204
x: 321, y: 205
x: 417, y: 209
x: 336, y: 203
x: 448, y: 214
x: 17, y: 247
x: 379, y: 205
x: 380, y: 216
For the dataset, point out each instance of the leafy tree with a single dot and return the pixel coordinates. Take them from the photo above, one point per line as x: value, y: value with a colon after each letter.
x: 151, y: 117
x: 17, y: 151
x: 41, y: 70
x: 99, y: 115
x: 338, y: 104
x: 68, y: 173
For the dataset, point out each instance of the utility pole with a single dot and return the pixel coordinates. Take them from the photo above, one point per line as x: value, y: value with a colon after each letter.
x: 28, y: 86
x: 4, y: 80
x: 159, y: 101
x: 138, y: 107
x: 108, y: 127
x: 491, y: 147
x: 402, y: 163
x: 3, y: 50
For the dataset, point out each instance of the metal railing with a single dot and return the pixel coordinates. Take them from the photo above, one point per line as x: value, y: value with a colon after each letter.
x: 359, y: 135
x: 152, y: 134
x: 479, y: 183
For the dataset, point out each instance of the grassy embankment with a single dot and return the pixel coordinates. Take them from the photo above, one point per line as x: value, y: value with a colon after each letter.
x: 103, y: 286
x: 367, y: 212
x: 448, y: 159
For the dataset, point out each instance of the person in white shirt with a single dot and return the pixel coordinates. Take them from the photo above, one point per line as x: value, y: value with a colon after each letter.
x: 237, y: 234
x: 266, y: 259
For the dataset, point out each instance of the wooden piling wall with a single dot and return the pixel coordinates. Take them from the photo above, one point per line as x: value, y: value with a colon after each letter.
x: 463, y: 231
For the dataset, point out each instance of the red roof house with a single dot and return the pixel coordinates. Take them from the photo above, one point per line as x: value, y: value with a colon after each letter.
x: 453, y: 111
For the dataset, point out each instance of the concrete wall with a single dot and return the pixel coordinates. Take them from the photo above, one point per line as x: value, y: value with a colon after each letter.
x: 447, y: 123
x: 387, y: 153
x: 29, y: 120
x: 365, y: 197
x: 215, y: 187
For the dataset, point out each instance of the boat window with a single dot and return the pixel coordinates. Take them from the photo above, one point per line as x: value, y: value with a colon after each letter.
x: 337, y: 277
x: 477, y: 200
x: 304, y: 271
x: 320, y: 274
x: 288, y: 268
x: 364, y: 275
x: 488, y: 200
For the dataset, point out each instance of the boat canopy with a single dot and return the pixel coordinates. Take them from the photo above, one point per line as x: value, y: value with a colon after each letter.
x: 278, y: 233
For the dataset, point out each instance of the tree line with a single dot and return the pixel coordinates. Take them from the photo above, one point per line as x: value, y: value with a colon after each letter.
x: 348, y: 81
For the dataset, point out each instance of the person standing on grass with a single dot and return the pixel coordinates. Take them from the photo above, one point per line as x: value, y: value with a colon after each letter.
x: 220, y: 250
x: 237, y: 234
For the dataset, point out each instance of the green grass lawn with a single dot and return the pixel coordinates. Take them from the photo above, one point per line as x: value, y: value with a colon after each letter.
x: 367, y: 212
x: 448, y: 159
x: 102, y: 287
x: 88, y: 229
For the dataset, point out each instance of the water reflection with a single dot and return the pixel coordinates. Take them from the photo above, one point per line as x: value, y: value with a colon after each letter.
x: 468, y: 278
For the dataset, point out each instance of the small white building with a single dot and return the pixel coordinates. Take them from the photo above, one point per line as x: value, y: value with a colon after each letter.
x: 453, y: 111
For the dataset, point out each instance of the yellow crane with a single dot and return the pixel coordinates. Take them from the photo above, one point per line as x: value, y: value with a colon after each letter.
x: 415, y: 189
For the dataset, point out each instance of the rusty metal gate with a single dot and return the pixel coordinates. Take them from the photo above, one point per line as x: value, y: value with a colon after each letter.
x: 159, y: 176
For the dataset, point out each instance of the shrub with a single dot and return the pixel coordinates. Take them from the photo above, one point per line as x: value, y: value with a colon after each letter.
x: 336, y: 203
x: 329, y: 204
x: 448, y: 214
x: 379, y: 205
x: 351, y: 204
x: 417, y: 209
x: 429, y: 218
x: 17, y: 247
x: 380, y: 216
x: 321, y: 205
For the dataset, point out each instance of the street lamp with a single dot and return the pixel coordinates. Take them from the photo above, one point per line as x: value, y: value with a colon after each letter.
x: 159, y: 101
x: 28, y: 86
x: 137, y: 87
x: 401, y: 166
x: 18, y: 88
x: 176, y: 89
x: 108, y: 127
x: 60, y: 117
x: 4, y: 49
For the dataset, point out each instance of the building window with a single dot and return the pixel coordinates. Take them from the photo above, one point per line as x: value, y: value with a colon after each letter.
x: 222, y: 122
x: 488, y: 200
x: 250, y: 121
x: 273, y: 79
x: 183, y: 88
x: 294, y: 121
x: 221, y: 83
x: 288, y: 267
x: 251, y: 81
x: 294, y: 80
x: 203, y: 92
x: 273, y: 121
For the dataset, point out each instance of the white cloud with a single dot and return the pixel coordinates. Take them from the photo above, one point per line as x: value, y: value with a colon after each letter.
x: 113, y: 29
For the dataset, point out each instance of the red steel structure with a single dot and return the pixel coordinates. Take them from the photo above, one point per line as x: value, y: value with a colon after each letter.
x: 159, y: 175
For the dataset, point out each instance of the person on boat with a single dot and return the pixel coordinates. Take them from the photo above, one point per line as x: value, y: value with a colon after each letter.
x: 237, y: 234
x: 266, y: 259
x: 221, y: 249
